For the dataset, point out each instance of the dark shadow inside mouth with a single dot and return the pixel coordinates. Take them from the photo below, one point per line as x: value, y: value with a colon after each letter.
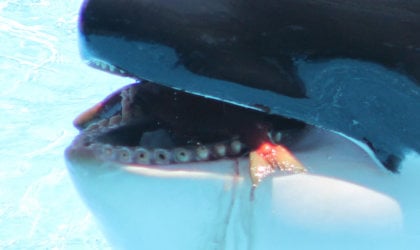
x: 154, y: 135
x: 169, y: 126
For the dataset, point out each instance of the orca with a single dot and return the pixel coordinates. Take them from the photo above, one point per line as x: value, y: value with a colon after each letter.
x: 152, y: 187
x: 335, y: 81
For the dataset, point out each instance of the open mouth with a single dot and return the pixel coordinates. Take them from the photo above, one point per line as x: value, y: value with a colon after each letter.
x: 150, y: 125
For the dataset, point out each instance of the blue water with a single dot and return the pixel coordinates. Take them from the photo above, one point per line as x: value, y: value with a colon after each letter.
x: 44, y: 85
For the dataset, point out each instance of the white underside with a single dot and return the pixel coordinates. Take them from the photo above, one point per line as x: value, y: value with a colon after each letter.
x: 345, y: 199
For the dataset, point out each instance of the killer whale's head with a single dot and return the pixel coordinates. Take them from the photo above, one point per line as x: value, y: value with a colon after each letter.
x: 162, y: 168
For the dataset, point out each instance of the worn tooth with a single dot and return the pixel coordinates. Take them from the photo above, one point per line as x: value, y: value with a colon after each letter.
x: 182, y: 155
x: 103, y: 123
x: 236, y: 146
x: 276, y: 136
x: 127, y: 96
x: 220, y: 149
x: 124, y: 154
x: 161, y: 156
x: 115, y: 120
x: 111, y: 68
x: 97, y: 149
x: 142, y: 156
x: 108, y: 152
x: 92, y: 127
x: 202, y: 153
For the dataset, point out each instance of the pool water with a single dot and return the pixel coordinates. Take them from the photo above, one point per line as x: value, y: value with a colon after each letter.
x: 44, y: 85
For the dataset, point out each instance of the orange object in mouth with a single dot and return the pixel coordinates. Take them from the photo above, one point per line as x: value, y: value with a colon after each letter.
x: 268, y: 157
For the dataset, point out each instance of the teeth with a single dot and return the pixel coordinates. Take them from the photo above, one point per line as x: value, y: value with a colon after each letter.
x: 157, y: 156
x: 105, y: 66
x: 142, y: 156
x: 124, y: 155
x: 161, y: 156
x: 182, y: 155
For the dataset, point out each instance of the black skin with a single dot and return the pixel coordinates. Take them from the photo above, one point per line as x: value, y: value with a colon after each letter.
x: 254, y: 43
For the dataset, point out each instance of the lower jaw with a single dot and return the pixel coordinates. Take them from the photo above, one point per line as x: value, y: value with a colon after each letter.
x: 188, y: 205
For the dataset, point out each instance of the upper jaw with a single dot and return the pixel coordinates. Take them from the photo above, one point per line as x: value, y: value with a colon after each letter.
x: 133, y: 126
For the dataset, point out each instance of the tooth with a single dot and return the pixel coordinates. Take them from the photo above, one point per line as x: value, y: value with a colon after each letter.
x: 236, y: 146
x: 124, y: 155
x: 182, y: 155
x: 103, y: 123
x: 202, y: 153
x: 108, y: 152
x: 92, y: 127
x: 142, y: 156
x: 115, y: 120
x: 220, y: 149
x: 276, y: 136
x: 161, y: 156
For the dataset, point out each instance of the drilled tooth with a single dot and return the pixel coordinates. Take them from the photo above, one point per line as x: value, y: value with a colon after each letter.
x: 220, y: 150
x: 124, y: 154
x: 276, y: 136
x: 202, y: 153
x: 236, y: 147
x: 142, y: 156
x: 182, y: 155
x: 161, y: 156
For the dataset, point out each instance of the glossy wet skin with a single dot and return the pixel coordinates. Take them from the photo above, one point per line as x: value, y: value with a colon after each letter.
x: 197, y: 204
x: 226, y: 50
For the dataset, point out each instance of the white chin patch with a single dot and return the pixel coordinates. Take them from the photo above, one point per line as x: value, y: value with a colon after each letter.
x: 343, y: 197
x: 324, y: 204
x: 344, y: 189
